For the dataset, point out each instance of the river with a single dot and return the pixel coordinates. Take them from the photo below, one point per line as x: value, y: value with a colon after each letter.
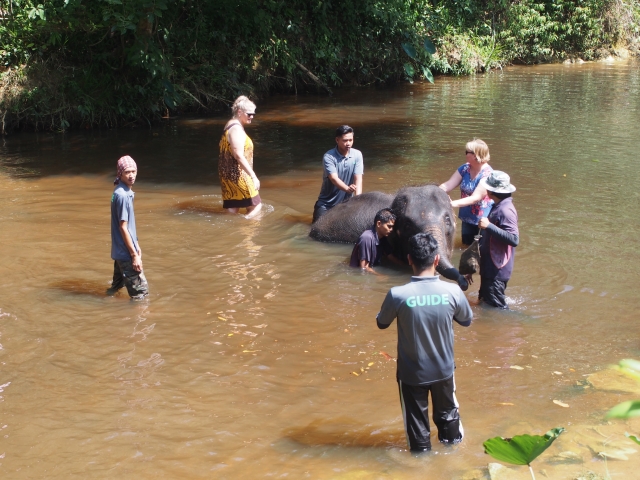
x: 243, y: 361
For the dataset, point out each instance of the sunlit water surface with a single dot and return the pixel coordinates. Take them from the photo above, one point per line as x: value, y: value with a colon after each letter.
x: 243, y: 361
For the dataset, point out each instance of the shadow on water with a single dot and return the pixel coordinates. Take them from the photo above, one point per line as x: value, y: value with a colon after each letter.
x: 298, y: 218
x: 201, y: 206
x: 85, y: 287
x: 344, y: 432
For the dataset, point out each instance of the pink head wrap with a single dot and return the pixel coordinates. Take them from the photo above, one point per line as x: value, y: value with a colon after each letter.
x: 123, y: 164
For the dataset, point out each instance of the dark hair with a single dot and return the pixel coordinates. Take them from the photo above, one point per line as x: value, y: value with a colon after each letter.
x: 342, y: 130
x: 385, y: 216
x: 501, y: 196
x: 423, y: 249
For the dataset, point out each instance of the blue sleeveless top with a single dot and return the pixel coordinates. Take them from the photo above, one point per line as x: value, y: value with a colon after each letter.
x: 473, y: 213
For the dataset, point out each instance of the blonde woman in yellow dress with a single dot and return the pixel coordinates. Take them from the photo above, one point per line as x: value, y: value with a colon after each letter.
x: 238, y: 181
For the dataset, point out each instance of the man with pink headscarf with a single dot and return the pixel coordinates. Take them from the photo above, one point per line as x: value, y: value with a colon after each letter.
x: 125, y: 249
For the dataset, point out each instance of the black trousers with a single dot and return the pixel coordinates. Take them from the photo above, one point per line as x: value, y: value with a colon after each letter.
x: 492, y: 292
x: 125, y: 276
x: 415, y: 411
x: 318, y: 211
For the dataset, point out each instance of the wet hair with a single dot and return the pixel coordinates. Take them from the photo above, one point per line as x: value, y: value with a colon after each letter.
x: 423, y: 249
x: 501, y: 196
x: 480, y: 149
x: 343, y: 130
x: 385, y: 216
x: 241, y: 103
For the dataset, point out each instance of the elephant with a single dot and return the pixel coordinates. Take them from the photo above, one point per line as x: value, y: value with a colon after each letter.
x: 418, y: 209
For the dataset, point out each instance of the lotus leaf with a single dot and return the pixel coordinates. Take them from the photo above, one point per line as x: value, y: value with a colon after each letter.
x: 521, y: 449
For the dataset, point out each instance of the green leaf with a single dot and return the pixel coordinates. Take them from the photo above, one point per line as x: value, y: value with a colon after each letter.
x: 429, y: 46
x: 625, y: 410
x: 630, y: 367
x: 521, y: 449
x: 632, y: 437
x: 410, y: 49
x: 427, y: 73
x: 409, y: 69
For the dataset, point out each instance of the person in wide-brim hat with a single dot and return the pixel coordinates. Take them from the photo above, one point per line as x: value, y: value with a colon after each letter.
x: 498, y: 182
x: 500, y: 236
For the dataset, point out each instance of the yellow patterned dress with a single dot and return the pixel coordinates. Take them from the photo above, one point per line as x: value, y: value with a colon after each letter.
x: 238, y: 189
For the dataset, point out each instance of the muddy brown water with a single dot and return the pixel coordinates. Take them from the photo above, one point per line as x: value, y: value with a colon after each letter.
x: 240, y: 363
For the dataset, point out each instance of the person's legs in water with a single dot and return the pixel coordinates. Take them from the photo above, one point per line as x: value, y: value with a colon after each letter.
x: 135, y: 282
x: 253, y: 210
x: 445, y: 411
x: 492, y: 292
x: 414, y: 401
x: 468, y: 232
x: 318, y: 211
x: 118, y: 280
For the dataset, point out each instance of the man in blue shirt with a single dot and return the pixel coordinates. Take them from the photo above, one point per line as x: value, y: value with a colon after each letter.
x: 342, y: 173
x: 426, y: 308
x: 125, y: 249
x: 373, y: 244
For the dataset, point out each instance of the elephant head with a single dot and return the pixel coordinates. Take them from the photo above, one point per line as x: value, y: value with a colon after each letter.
x: 426, y: 209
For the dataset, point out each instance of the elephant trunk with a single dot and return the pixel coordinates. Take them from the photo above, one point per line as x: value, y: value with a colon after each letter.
x: 445, y: 267
x: 447, y: 270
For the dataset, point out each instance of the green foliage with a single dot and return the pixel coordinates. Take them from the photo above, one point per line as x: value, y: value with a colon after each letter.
x: 113, y: 62
x: 630, y: 408
x: 633, y: 437
x: 521, y: 449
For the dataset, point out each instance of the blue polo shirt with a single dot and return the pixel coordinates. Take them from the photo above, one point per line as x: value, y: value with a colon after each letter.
x: 369, y: 248
x: 346, y: 167
x: 426, y: 309
x: 122, y: 209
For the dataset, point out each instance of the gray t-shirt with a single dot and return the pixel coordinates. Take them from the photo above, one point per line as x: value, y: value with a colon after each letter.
x: 346, y: 168
x: 122, y: 209
x: 425, y: 309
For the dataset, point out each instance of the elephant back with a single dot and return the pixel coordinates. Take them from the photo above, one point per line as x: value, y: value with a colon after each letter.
x: 345, y: 222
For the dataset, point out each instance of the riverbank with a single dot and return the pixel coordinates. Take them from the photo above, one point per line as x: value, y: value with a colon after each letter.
x: 106, y: 64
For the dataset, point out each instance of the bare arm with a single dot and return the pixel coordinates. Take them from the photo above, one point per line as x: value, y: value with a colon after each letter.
x: 136, y: 258
x: 333, y: 177
x: 358, y: 180
x: 237, y: 137
x: 452, y: 183
x: 366, y: 266
x: 478, y: 194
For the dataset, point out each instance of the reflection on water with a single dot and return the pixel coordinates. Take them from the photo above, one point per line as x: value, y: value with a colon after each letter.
x: 257, y: 352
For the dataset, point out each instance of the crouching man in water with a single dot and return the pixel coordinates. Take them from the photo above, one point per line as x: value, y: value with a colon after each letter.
x: 125, y: 249
x: 373, y: 244
x: 425, y: 309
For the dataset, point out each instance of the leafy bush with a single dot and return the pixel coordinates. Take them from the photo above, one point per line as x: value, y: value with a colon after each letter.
x: 113, y: 62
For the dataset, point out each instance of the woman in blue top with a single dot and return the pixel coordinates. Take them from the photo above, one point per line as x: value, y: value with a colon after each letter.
x: 474, y: 202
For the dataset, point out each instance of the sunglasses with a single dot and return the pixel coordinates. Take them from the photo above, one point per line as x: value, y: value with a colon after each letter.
x: 467, y: 152
x: 250, y: 114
